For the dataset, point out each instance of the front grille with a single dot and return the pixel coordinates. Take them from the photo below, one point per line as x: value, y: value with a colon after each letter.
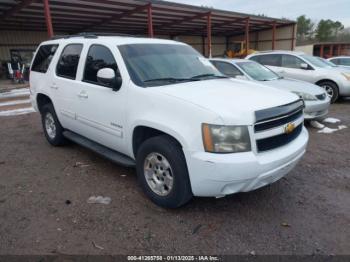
x: 321, y: 97
x: 277, y: 117
x: 278, y: 141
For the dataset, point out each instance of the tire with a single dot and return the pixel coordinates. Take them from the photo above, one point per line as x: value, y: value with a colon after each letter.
x: 52, y: 128
x: 162, y: 158
x: 331, y: 89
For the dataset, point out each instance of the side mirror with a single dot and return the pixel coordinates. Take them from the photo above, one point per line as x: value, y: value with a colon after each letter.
x: 107, y: 77
x: 304, y: 66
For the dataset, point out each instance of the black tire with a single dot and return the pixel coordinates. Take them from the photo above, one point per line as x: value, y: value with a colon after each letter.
x: 332, y: 87
x: 181, y: 191
x: 58, y: 139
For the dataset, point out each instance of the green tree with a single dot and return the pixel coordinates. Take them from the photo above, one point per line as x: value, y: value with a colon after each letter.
x: 304, y: 28
x: 328, y: 30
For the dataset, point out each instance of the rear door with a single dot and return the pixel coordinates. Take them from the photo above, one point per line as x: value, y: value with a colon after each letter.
x: 65, y: 86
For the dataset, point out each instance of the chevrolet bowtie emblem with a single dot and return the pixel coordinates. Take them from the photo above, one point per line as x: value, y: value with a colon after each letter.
x: 289, y: 128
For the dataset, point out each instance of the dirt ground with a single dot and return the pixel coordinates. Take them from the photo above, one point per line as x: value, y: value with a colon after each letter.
x: 44, y: 209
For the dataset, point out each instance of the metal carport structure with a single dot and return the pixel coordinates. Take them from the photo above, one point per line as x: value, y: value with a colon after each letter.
x: 141, y: 17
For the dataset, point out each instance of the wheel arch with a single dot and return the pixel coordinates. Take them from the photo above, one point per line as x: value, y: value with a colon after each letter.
x: 41, y: 100
x: 143, y: 132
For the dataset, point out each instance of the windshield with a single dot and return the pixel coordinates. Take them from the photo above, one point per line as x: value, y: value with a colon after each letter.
x: 257, y: 71
x: 329, y: 63
x: 162, y: 64
x: 315, y: 61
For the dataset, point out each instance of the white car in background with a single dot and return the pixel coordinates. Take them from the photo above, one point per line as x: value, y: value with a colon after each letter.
x: 298, y: 65
x: 315, y: 98
x: 340, y: 61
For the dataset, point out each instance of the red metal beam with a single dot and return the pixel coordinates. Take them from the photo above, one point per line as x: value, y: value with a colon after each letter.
x: 274, y: 35
x: 247, y: 35
x: 331, y: 51
x: 48, y: 18
x: 150, y: 21
x: 14, y: 10
x: 321, y: 50
x: 209, y: 33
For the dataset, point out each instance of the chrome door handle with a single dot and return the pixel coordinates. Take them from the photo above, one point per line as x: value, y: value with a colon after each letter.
x: 83, y: 95
x: 54, y: 86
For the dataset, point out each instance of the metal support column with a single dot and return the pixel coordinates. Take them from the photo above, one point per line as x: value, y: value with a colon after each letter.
x: 48, y: 18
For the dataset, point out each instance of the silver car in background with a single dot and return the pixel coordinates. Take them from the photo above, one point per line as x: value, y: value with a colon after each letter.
x: 315, y: 98
x: 343, y: 61
x: 298, y: 65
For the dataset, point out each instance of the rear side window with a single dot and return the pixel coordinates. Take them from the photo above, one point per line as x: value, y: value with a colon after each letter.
x: 335, y: 61
x: 67, y: 65
x: 227, y: 69
x: 43, y: 58
x: 270, y: 60
x: 344, y: 61
x: 98, y: 57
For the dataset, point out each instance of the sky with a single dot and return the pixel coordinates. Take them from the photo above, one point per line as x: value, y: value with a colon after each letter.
x: 291, y: 9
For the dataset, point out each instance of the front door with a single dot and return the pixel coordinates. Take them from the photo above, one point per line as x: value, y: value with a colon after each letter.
x: 101, y: 110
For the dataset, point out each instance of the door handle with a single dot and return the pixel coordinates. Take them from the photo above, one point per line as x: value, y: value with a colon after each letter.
x: 83, y: 95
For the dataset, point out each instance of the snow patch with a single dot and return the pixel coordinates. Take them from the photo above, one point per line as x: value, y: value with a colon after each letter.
x: 15, y: 102
x: 15, y: 93
x: 342, y: 127
x: 99, y: 200
x: 16, y: 112
x: 317, y: 124
x: 327, y: 130
x: 331, y: 120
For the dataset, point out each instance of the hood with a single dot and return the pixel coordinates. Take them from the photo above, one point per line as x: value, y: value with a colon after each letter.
x: 235, y: 101
x: 295, y: 86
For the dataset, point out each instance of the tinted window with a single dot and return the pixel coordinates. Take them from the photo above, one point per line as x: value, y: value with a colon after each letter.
x: 291, y: 61
x: 98, y: 57
x: 257, y: 71
x: 227, y: 69
x: 271, y: 60
x: 335, y: 61
x: 345, y: 61
x: 43, y: 58
x: 67, y: 66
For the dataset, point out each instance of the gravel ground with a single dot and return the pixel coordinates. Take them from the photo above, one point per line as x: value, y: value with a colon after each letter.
x: 44, y: 209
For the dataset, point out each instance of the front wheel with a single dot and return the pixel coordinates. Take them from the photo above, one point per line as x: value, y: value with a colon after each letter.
x: 162, y: 172
x: 331, y: 90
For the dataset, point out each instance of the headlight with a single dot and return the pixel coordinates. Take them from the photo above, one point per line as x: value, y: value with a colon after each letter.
x: 225, y: 139
x: 305, y: 96
x: 346, y: 75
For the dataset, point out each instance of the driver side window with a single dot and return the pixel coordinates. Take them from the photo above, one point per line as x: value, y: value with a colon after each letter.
x: 290, y: 61
x: 98, y: 57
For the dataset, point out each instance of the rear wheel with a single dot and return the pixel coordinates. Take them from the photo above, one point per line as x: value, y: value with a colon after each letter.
x: 52, y: 128
x: 162, y: 172
x: 331, y: 90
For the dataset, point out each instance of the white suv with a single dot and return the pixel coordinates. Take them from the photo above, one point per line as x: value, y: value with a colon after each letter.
x: 160, y: 106
x: 298, y: 65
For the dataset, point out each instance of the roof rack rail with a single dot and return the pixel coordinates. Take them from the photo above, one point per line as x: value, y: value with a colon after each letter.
x: 88, y: 35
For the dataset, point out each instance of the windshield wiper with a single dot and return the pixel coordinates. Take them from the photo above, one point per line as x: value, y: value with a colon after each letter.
x: 168, y: 79
x: 207, y: 75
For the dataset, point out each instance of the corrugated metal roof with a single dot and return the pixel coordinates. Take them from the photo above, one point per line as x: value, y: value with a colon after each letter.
x: 127, y: 16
